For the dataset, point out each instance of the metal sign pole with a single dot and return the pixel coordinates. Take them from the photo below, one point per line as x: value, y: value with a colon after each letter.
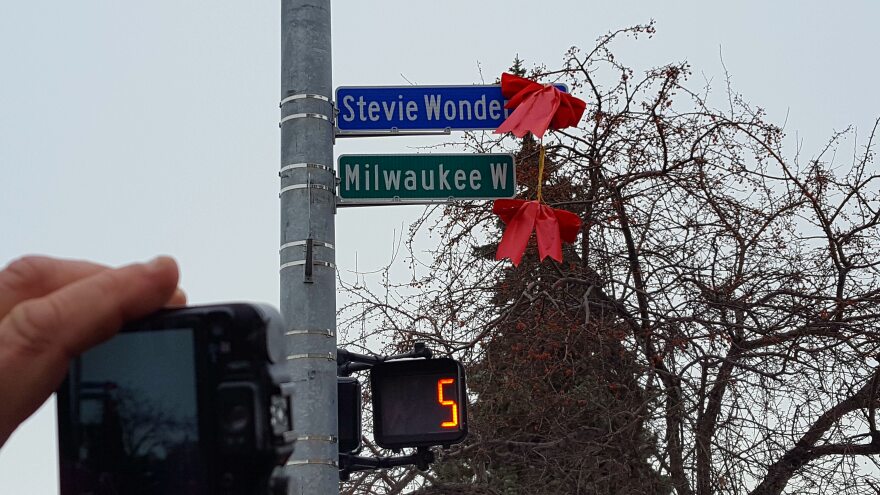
x: 308, y: 278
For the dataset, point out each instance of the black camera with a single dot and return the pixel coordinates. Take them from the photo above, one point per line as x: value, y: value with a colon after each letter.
x: 186, y: 401
x: 193, y: 401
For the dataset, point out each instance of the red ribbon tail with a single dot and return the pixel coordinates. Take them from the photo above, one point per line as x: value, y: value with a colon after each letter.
x: 547, y: 228
x: 516, y: 235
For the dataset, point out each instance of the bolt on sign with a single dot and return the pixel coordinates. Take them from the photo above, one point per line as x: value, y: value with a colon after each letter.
x: 393, y: 178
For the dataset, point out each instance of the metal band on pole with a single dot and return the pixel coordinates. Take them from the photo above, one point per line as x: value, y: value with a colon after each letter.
x: 303, y: 262
x: 294, y: 187
x: 303, y: 97
x: 306, y: 115
x: 329, y: 357
x: 316, y: 438
x: 315, y: 166
x: 325, y: 333
x: 304, y: 242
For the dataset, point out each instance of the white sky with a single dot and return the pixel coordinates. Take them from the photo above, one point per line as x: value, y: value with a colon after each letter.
x: 132, y: 129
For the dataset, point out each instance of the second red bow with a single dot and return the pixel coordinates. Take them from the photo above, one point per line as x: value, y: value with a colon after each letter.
x: 551, y: 225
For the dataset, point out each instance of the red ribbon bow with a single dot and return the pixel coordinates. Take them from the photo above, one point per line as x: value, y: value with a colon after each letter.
x: 551, y: 225
x: 537, y: 107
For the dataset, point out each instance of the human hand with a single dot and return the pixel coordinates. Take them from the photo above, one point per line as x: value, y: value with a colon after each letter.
x: 52, y: 310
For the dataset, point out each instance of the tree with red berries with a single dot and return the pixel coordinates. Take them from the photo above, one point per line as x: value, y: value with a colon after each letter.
x: 713, y: 329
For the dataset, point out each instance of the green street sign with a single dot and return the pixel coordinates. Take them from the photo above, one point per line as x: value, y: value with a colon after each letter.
x: 393, y: 178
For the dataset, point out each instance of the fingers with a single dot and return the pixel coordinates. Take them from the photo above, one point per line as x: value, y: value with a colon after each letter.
x: 36, y: 276
x: 39, y: 335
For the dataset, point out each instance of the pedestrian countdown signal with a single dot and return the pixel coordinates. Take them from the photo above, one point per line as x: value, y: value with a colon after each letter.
x: 418, y: 403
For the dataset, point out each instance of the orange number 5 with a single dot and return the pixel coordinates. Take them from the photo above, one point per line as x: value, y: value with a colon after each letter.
x: 447, y: 402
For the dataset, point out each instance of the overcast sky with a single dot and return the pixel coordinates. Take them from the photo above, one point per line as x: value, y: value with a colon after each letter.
x: 133, y: 129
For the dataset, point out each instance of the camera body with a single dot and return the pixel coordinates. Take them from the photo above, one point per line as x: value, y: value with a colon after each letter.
x: 187, y: 400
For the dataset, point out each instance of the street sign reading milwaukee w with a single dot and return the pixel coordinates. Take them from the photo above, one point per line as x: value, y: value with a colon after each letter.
x: 420, y: 108
x: 391, y: 178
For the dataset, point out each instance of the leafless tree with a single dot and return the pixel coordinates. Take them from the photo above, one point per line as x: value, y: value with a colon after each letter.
x: 714, y: 330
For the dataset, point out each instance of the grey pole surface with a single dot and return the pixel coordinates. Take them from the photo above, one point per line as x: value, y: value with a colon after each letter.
x: 308, y: 273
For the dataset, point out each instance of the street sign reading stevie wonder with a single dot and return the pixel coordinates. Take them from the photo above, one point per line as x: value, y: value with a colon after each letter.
x: 420, y: 108
x: 364, y: 178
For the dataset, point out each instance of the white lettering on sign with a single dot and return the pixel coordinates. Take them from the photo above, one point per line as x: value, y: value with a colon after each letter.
x: 428, y: 185
x: 409, y: 183
x: 361, y: 103
x: 346, y: 102
x: 459, y: 179
x: 412, y: 109
x: 443, y: 174
x: 499, y: 174
x: 432, y: 105
x: 388, y: 109
x: 392, y: 179
x: 480, y: 108
x: 373, y: 109
x: 476, y: 178
x: 449, y: 110
x: 352, y: 176
x: 464, y: 110
x: 495, y: 109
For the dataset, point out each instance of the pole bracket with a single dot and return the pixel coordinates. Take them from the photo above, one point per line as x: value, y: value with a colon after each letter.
x: 422, y: 459
x: 347, y: 362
